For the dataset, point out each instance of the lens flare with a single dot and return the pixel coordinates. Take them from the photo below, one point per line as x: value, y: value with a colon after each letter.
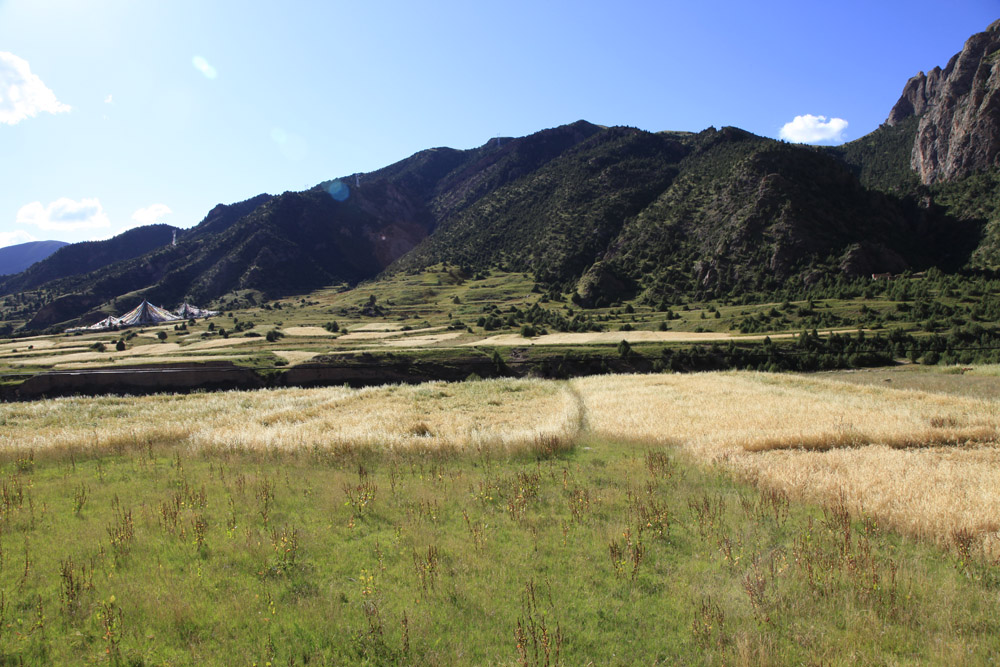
x: 202, y: 66
x: 338, y: 190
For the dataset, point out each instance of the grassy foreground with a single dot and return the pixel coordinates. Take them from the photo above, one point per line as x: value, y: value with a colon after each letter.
x: 158, y: 530
x: 604, y: 553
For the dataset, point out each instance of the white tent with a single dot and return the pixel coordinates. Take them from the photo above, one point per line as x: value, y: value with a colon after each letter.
x: 106, y: 323
x: 147, y: 313
x: 187, y: 311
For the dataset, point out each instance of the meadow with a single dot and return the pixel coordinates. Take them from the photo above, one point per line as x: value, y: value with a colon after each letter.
x: 717, y: 518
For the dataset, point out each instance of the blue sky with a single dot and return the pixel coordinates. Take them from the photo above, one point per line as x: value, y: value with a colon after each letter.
x: 115, y: 113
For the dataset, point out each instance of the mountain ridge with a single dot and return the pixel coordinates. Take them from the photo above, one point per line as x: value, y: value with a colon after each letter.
x: 601, y: 213
x: 18, y: 257
x: 959, y: 111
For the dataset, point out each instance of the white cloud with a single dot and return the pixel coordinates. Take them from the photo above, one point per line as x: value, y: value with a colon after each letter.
x: 109, y: 99
x: 64, y: 215
x: 202, y: 66
x: 151, y: 214
x: 809, y: 129
x: 13, y: 238
x: 22, y: 94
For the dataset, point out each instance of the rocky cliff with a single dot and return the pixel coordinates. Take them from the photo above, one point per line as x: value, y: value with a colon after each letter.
x: 959, y: 111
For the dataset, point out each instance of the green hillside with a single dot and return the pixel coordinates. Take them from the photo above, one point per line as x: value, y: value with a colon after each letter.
x: 604, y: 214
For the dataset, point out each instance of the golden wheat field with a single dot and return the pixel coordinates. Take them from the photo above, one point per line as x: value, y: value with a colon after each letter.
x: 309, y: 331
x: 925, y: 463
x: 502, y: 415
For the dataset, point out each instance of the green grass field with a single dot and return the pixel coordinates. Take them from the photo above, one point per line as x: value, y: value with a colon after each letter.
x: 606, y: 521
x: 148, y: 552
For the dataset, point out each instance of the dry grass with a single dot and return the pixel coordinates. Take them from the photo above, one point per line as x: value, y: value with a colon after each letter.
x: 109, y: 356
x: 970, y: 381
x: 156, y: 349
x: 48, y: 350
x: 308, y: 331
x: 987, y: 370
x: 378, y: 326
x: 131, y: 361
x: 493, y: 415
x: 715, y: 414
x: 295, y: 356
x: 73, y: 357
x: 924, y: 462
x: 930, y: 492
x: 22, y: 344
x: 150, y: 330
x: 30, y: 340
x: 423, y: 341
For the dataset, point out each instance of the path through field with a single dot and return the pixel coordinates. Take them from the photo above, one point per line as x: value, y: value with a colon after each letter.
x: 927, y: 463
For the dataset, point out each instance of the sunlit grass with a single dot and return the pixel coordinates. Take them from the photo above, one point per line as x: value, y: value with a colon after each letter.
x: 639, y: 519
x: 604, y: 554
x: 506, y: 415
x: 925, y: 462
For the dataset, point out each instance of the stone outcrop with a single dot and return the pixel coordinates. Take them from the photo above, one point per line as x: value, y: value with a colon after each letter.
x: 918, y: 94
x: 959, y: 111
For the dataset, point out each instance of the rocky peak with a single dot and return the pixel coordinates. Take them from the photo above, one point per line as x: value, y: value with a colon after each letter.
x: 959, y: 111
x: 917, y: 93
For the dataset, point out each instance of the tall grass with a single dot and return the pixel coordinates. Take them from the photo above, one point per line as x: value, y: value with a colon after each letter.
x: 602, y: 554
x: 926, y: 463
x: 457, y: 524
x: 503, y: 416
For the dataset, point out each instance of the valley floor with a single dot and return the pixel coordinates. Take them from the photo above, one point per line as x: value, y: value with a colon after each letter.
x: 718, y: 517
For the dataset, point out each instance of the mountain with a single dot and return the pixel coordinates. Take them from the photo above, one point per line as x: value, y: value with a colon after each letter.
x: 629, y: 213
x: 297, y: 241
x: 959, y: 111
x: 77, y: 258
x: 555, y: 220
x: 606, y: 213
x: 611, y: 213
x: 750, y: 214
x: 953, y: 116
x: 16, y: 258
